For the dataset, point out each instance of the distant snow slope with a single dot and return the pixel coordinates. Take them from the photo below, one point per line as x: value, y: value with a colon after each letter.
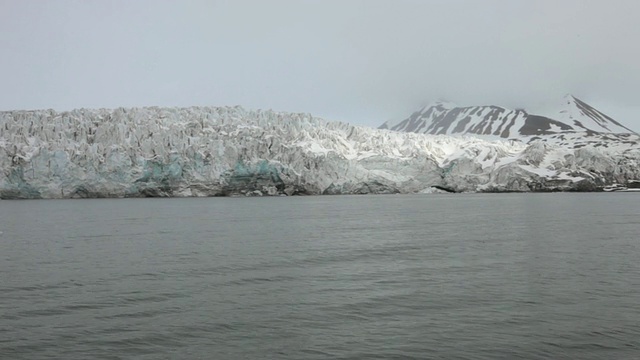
x: 572, y: 116
x: 207, y: 151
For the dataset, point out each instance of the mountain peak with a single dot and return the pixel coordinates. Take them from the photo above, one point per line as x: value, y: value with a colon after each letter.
x: 582, y: 115
x: 445, y: 118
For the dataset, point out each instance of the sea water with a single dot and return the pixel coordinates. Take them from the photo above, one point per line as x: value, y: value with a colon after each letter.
x: 486, y: 276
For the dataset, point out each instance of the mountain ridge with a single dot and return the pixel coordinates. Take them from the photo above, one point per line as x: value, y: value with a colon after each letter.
x: 443, y: 118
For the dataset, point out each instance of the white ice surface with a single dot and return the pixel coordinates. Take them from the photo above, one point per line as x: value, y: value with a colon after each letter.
x: 203, y: 151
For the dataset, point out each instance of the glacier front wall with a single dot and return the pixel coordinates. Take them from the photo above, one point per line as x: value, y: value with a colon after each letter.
x: 208, y: 151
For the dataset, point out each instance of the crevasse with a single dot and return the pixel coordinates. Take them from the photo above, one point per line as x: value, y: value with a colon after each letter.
x: 221, y: 151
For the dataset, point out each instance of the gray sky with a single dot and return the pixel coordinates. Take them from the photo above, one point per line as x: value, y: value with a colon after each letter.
x: 358, y: 61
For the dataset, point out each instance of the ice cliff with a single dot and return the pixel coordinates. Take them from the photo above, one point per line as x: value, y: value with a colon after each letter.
x: 209, y: 151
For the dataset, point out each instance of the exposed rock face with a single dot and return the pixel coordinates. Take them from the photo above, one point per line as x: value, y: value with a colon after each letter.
x: 574, y: 115
x: 206, y: 151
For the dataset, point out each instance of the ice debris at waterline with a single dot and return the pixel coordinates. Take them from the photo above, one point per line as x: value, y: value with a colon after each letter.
x: 222, y: 151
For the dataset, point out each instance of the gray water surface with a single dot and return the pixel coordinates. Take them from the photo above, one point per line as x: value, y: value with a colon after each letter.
x: 532, y: 276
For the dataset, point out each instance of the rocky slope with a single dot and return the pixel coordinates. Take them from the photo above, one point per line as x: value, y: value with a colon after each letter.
x: 573, y: 116
x: 207, y: 151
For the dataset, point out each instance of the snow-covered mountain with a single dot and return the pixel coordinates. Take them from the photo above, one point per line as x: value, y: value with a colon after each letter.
x: 208, y: 151
x: 572, y: 116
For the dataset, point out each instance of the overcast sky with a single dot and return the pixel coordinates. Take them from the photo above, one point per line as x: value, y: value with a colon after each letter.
x: 358, y: 61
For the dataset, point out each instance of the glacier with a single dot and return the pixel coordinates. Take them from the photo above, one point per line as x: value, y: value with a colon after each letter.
x: 230, y: 151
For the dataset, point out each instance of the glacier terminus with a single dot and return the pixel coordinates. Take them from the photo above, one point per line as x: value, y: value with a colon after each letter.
x: 229, y: 151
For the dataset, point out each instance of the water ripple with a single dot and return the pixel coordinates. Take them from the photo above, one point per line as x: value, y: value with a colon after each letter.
x: 464, y: 277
